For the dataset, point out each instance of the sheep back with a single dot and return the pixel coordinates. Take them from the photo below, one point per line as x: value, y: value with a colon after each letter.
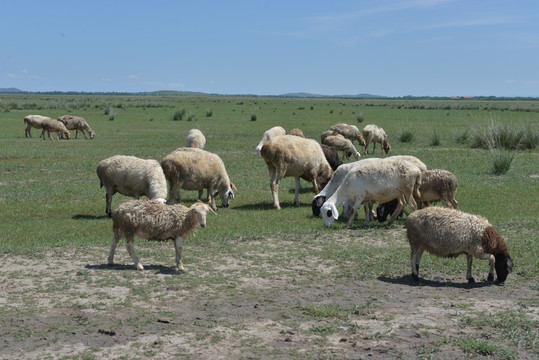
x: 196, y: 139
x: 349, y: 131
x: 268, y: 135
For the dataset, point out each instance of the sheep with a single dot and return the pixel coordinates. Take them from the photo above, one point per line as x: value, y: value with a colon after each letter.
x: 131, y: 176
x: 327, y: 133
x: 375, y: 134
x: 448, y: 233
x: 77, y: 123
x: 33, y: 121
x: 334, y: 183
x: 289, y: 155
x: 332, y: 156
x: 196, y: 139
x: 155, y: 221
x: 340, y: 143
x: 381, y: 180
x: 296, y: 132
x: 349, y: 131
x: 56, y: 126
x: 414, y: 160
x: 436, y: 185
x: 197, y: 169
x: 268, y: 135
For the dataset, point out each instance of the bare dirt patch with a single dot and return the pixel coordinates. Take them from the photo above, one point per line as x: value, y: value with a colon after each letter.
x: 69, y: 304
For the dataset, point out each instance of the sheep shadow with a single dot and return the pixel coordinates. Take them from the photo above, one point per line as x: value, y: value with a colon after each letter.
x: 158, y: 269
x: 89, y: 217
x: 407, y: 280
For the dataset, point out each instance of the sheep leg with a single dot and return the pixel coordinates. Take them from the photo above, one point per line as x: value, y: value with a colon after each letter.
x: 398, y: 210
x: 108, y: 201
x: 366, y: 148
x: 274, y: 186
x: 469, y: 276
x: 373, y: 146
x: 296, y: 195
x: 175, y: 193
x: 27, y: 131
x: 178, y: 246
x: 110, y: 260
x: 354, y: 212
x: 130, y: 245
x: 415, y: 260
x: 492, y: 261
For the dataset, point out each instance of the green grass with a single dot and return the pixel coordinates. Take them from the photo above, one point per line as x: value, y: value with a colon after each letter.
x: 50, y: 195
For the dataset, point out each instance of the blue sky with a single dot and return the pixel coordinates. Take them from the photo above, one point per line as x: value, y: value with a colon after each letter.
x: 382, y: 47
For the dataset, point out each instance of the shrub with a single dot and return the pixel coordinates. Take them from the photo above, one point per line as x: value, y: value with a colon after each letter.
x: 179, y: 114
x: 405, y: 136
x: 112, y: 115
x: 360, y: 118
x: 462, y: 137
x: 253, y: 116
x: 209, y: 112
x: 501, y: 161
x: 503, y: 136
x: 435, y: 138
x: 191, y: 117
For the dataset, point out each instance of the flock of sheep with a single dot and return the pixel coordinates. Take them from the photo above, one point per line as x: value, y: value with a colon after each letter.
x: 393, y: 182
x: 60, y: 126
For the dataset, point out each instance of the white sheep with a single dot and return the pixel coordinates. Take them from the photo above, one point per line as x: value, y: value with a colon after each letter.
x: 131, y: 176
x: 56, y: 126
x: 414, y: 160
x: 289, y: 155
x: 155, y: 221
x: 325, y: 134
x: 378, y: 181
x: 448, y: 233
x: 33, y: 121
x: 268, y: 135
x: 375, y: 134
x: 77, y: 123
x: 349, y: 131
x: 340, y: 143
x: 196, y: 139
x: 197, y: 169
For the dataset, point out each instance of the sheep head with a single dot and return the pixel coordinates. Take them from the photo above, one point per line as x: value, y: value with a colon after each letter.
x: 318, y: 201
x: 503, y: 266
x: 329, y: 213
x: 201, y: 211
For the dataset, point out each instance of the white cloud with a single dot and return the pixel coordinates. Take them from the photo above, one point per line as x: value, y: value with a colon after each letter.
x: 132, y: 77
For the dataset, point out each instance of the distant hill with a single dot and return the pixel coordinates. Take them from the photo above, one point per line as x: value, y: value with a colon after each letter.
x: 10, y: 91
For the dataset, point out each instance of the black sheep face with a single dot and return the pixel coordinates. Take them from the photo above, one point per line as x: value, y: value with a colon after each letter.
x: 503, y: 266
x: 317, y: 204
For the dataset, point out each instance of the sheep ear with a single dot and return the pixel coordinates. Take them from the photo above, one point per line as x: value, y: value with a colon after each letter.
x: 209, y: 208
x: 334, y: 211
x: 233, y: 186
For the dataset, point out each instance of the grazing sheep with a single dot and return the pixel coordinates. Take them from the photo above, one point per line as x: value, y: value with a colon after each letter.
x: 268, y: 135
x: 33, y: 121
x: 197, y: 169
x: 327, y: 133
x: 332, y: 156
x: 195, y: 139
x: 436, y: 185
x: 154, y: 221
x: 349, y: 131
x: 449, y: 233
x: 56, y: 126
x: 131, y: 176
x: 381, y: 180
x: 77, y: 123
x: 420, y: 165
x: 340, y: 143
x: 296, y: 132
x: 289, y: 155
x: 375, y: 134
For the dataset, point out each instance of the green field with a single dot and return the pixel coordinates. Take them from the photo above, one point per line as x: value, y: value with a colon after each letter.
x: 50, y: 197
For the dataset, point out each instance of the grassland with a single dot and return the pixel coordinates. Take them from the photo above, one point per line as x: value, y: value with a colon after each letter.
x: 53, y: 210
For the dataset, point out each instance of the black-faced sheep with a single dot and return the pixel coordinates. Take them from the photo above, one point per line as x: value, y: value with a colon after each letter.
x: 131, y: 176
x: 196, y: 139
x: 349, y: 131
x: 56, y: 126
x: 436, y: 185
x: 340, y: 143
x: 77, y: 123
x: 154, y: 221
x: 289, y: 155
x: 268, y: 135
x: 449, y: 233
x: 377, y: 181
x: 197, y: 169
x: 375, y: 134
x: 33, y: 121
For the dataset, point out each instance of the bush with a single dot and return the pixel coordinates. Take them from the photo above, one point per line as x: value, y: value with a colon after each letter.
x: 209, y: 112
x: 435, y: 138
x: 462, y: 138
x: 253, y: 116
x: 501, y: 161
x: 406, y: 136
x: 360, y: 118
x: 503, y: 136
x: 179, y: 114
x: 112, y: 115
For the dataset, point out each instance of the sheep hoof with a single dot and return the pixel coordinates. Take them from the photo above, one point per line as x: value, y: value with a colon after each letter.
x: 415, y: 278
x: 140, y: 267
x: 471, y: 280
x: 490, y: 278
